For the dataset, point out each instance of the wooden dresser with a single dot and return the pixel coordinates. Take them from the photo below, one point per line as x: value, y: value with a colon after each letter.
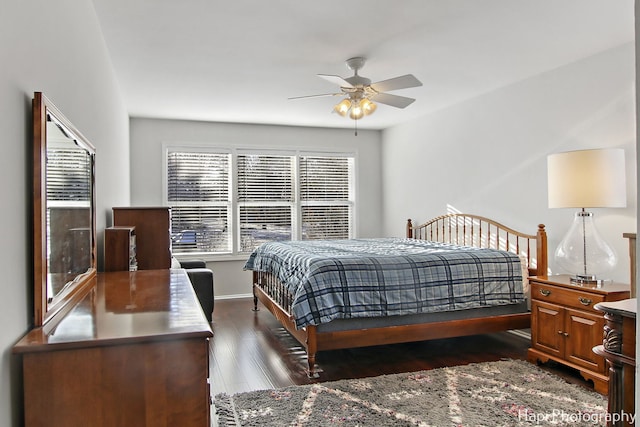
x: 132, y: 352
x: 153, y: 234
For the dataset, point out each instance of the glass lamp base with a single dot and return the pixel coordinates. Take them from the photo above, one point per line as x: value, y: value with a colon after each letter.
x: 583, y: 252
x: 585, y: 279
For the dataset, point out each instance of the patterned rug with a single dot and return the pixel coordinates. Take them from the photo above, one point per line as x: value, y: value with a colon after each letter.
x: 504, y: 393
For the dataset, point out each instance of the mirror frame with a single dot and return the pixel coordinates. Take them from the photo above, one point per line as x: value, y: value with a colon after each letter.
x: 45, y: 308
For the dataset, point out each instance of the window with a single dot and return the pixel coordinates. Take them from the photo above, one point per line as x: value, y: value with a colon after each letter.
x: 265, y: 199
x: 199, y: 193
x: 231, y: 202
x: 326, y: 195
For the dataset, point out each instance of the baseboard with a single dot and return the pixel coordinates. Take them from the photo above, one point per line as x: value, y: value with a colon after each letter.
x: 235, y: 296
x: 522, y: 333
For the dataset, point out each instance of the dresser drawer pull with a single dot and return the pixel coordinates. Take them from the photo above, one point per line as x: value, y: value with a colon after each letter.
x: 545, y: 292
x: 585, y: 301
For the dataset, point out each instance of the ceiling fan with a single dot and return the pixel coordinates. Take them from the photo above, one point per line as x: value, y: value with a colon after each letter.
x: 361, y: 95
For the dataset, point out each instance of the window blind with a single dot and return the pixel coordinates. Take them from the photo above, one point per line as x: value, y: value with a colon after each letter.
x: 325, y: 178
x: 200, y: 177
x: 198, y: 191
x: 260, y: 224
x: 265, y: 198
x: 265, y: 177
x: 326, y: 222
x: 68, y: 175
x: 276, y: 197
x: 326, y: 194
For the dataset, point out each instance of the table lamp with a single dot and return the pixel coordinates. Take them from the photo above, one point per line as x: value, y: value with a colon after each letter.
x: 586, y: 179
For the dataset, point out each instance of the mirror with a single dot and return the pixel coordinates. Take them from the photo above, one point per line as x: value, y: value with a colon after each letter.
x: 63, y: 211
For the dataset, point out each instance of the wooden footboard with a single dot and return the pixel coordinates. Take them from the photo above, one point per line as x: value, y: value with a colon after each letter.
x: 275, y: 297
x: 269, y: 292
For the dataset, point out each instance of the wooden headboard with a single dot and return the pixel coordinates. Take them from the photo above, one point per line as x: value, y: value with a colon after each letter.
x: 481, y: 232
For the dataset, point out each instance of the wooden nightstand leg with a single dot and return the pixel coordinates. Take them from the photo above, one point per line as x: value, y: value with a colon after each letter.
x: 535, y: 357
x: 599, y: 385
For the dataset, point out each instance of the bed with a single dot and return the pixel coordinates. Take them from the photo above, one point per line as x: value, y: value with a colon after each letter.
x: 362, y: 292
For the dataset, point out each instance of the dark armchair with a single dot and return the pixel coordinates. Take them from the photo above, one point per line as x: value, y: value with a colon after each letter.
x: 202, y: 281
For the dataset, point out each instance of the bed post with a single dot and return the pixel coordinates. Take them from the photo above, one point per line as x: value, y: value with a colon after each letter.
x: 409, y: 229
x: 541, y: 252
x: 255, y: 297
x: 312, y: 349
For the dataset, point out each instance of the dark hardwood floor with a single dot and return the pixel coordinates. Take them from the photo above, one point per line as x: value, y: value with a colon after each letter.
x: 251, y: 351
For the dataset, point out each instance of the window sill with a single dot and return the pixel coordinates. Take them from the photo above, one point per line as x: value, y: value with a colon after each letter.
x: 211, y: 257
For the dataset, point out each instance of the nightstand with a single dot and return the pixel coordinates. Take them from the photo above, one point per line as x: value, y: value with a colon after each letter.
x: 565, y: 326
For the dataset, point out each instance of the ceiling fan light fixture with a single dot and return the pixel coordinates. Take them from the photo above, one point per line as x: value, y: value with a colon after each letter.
x: 359, y: 91
x: 355, y: 108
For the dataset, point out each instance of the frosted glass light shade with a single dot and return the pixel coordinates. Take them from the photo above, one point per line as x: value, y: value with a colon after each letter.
x: 356, y: 112
x: 342, y: 107
x: 368, y: 106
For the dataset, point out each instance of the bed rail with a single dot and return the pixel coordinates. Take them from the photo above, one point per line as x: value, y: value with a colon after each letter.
x: 481, y: 232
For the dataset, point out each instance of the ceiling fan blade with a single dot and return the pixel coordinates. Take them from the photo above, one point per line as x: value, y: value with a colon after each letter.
x: 337, y: 80
x: 393, y: 100
x: 402, y: 82
x: 316, y: 96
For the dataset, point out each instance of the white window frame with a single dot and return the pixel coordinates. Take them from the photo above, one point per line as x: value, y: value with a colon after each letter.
x: 234, y: 209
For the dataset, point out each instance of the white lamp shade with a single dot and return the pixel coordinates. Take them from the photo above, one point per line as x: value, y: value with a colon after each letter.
x: 587, y: 179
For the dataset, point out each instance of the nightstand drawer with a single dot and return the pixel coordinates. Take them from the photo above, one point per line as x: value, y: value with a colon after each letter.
x: 566, y: 297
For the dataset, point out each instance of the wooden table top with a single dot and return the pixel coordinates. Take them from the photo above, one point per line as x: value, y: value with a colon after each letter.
x: 140, y: 306
x: 564, y: 280
x: 625, y: 308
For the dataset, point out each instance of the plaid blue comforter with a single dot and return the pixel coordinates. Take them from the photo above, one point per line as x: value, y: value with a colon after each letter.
x: 335, y: 279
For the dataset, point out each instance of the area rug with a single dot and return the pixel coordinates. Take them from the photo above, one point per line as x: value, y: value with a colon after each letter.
x: 503, y: 393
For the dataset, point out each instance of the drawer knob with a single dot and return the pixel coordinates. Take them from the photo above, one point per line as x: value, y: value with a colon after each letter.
x: 584, y: 301
x: 545, y: 292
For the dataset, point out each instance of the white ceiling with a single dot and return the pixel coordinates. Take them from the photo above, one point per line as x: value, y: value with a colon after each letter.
x: 239, y: 61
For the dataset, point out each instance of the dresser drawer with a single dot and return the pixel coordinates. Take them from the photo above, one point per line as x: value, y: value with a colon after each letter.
x: 576, y: 298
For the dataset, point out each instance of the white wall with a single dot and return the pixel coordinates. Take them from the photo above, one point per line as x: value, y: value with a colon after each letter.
x: 56, y: 48
x: 637, y: 22
x: 488, y: 155
x: 148, y: 136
